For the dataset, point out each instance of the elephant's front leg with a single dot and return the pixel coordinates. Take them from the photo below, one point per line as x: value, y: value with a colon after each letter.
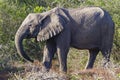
x: 63, y: 44
x: 49, y: 51
x: 62, y: 51
x: 62, y: 56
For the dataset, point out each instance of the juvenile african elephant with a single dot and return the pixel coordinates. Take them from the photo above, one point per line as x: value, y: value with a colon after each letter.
x: 89, y: 28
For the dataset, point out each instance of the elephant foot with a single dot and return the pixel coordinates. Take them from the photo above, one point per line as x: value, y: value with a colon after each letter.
x: 44, y: 69
x: 107, y: 65
x: 64, y: 75
x: 86, y: 68
x: 62, y: 71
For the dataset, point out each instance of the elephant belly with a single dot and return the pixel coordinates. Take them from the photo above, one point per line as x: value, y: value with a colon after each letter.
x: 85, y: 46
x: 86, y: 42
x: 80, y: 45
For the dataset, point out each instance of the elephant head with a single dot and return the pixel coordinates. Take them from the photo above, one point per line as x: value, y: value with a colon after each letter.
x: 41, y: 26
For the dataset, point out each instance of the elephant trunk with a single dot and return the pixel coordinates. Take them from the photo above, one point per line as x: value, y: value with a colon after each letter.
x: 18, y: 43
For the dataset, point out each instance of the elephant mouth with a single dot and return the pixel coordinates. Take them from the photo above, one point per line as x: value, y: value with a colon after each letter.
x: 30, y: 37
x: 36, y: 39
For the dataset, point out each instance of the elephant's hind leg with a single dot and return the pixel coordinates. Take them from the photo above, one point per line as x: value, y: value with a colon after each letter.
x: 91, y: 59
x: 106, y: 56
x: 49, y: 51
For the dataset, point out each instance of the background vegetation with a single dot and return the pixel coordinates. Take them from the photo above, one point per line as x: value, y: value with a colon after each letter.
x: 13, y: 12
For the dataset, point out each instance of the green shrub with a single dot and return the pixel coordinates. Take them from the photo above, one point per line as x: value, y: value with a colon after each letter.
x: 13, y: 12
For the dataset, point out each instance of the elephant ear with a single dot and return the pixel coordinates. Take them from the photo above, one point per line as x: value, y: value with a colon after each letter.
x: 52, y: 25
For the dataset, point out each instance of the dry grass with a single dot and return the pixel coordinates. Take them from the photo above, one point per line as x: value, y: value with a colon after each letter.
x: 98, y: 74
x: 76, y: 63
x: 34, y: 72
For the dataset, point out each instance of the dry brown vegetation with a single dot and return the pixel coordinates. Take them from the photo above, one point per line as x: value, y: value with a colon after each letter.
x: 34, y: 72
x: 29, y: 71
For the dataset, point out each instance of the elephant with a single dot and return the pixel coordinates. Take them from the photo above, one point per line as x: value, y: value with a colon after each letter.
x: 86, y: 28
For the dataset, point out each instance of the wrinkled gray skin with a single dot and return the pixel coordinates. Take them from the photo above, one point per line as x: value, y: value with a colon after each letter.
x: 84, y: 28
